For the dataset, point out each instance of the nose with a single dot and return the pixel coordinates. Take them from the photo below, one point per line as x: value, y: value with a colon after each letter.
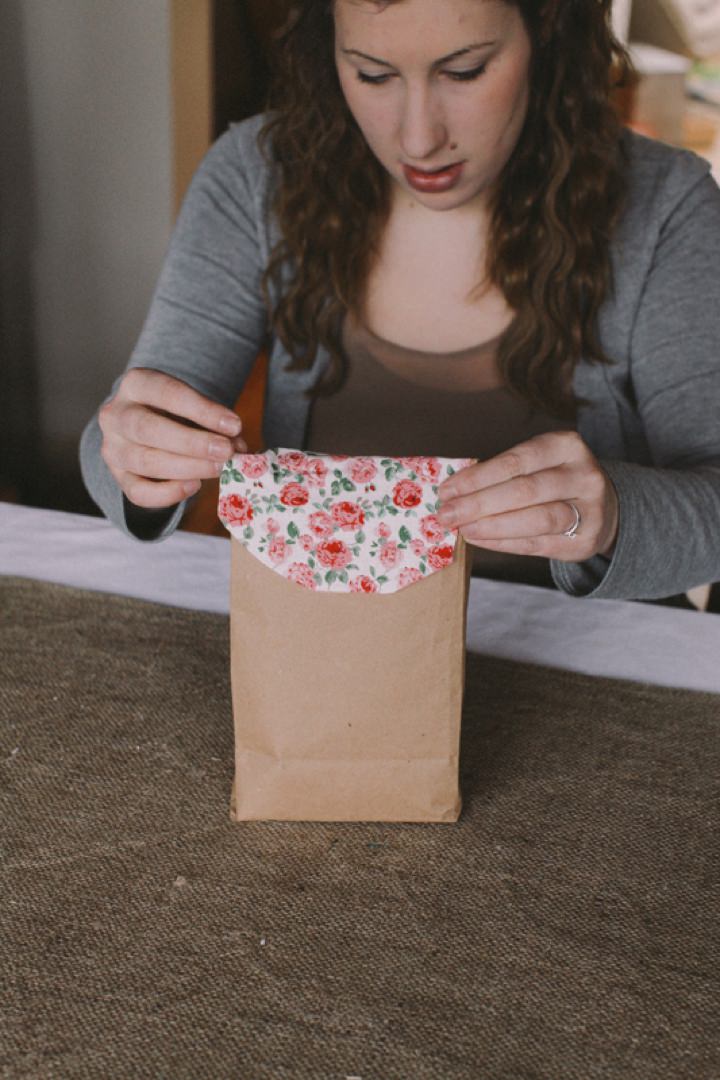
x: 422, y: 127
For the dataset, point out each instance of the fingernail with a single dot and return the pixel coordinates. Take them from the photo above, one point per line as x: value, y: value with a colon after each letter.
x: 230, y: 425
x: 191, y: 487
x: 446, y: 517
x: 218, y: 450
x: 447, y: 493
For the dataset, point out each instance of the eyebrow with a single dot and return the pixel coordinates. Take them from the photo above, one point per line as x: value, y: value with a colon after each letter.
x: 436, y: 63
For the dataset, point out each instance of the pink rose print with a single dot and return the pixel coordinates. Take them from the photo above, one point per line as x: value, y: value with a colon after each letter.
x: 316, y: 470
x: 252, y: 465
x: 347, y: 515
x: 409, y: 577
x: 363, y: 584
x: 308, y: 535
x: 293, y: 460
x: 235, y: 510
x: 277, y: 550
x: 363, y: 470
x: 294, y: 495
x: 407, y: 494
x: 334, y: 553
x: 440, y: 556
x: 390, y: 555
x: 321, y: 524
x: 301, y: 575
x: 428, y: 469
x: 431, y: 529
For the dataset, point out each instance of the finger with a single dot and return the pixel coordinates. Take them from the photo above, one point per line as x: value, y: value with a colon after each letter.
x: 160, y: 391
x: 545, y: 451
x: 154, y: 494
x: 548, y: 547
x: 144, y: 427
x: 159, y: 465
x: 518, y: 493
x: 551, y: 519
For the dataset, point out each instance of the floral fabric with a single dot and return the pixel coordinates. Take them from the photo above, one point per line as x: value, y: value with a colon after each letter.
x: 340, y: 524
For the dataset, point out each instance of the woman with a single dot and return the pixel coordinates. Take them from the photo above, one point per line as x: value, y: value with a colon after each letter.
x: 453, y: 249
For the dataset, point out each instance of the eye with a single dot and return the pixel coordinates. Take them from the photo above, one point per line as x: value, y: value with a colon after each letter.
x: 467, y: 76
x: 374, y: 80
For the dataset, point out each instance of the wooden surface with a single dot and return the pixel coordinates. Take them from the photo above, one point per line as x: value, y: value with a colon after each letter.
x: 191, y: 73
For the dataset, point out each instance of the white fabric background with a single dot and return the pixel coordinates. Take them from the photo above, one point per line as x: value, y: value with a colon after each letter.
x: 642, y: 642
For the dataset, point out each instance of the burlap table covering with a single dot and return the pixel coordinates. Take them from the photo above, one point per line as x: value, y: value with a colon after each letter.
x: 566, y: 927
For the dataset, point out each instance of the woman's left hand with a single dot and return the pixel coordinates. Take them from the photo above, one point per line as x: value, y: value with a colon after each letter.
x: 523, y: 500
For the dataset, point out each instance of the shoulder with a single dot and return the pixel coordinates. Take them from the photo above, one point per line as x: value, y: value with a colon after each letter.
x: 660, y: 178
x: 246, y: 140
x: 239, y: 161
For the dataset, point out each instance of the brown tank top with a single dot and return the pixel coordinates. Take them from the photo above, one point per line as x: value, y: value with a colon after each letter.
x: 401, y: 402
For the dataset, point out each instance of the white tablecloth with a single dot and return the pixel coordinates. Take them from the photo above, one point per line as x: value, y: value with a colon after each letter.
x: 643, y: 642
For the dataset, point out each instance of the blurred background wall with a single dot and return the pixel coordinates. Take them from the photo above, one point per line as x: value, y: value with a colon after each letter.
x: 85, y: 214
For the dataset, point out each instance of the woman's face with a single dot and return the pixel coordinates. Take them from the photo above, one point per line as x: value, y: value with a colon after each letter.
x: 432, y: 84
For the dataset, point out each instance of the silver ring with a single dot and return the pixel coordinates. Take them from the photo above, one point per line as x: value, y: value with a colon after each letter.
x: 572, y: 531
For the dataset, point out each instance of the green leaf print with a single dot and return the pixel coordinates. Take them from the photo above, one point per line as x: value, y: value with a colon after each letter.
x: 335, y: 488
x: 348, y: 484
x: 237, y: 476
x: 293, y: 530
x: 248, y: 532
x: 360, y: 537
x: 311, y: 562
x: 405, y: 534
x: 330, y: 576
x: 343, y: 577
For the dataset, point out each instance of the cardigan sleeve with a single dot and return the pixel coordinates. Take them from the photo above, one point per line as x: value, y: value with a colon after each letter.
x: 207, y: 319
x: 669, y: 531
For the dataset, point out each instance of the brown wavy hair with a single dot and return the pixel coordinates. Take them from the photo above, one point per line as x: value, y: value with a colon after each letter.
x: 553, y: 211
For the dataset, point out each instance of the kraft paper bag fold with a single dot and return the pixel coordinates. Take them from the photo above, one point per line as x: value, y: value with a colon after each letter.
x: 348, y: 610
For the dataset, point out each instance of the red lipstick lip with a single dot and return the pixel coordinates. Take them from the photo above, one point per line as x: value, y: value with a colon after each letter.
x: 434, y: 182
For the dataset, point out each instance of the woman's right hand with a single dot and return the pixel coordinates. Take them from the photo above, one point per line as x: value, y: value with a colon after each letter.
x: 161, y: 438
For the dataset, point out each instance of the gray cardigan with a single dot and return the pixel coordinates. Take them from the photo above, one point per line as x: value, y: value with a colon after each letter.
x: 653, y: 416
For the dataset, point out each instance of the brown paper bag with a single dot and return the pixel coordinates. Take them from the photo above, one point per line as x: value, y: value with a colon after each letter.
x: 346, y: 705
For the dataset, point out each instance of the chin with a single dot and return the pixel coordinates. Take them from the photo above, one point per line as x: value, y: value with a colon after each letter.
x: 447, y: 200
